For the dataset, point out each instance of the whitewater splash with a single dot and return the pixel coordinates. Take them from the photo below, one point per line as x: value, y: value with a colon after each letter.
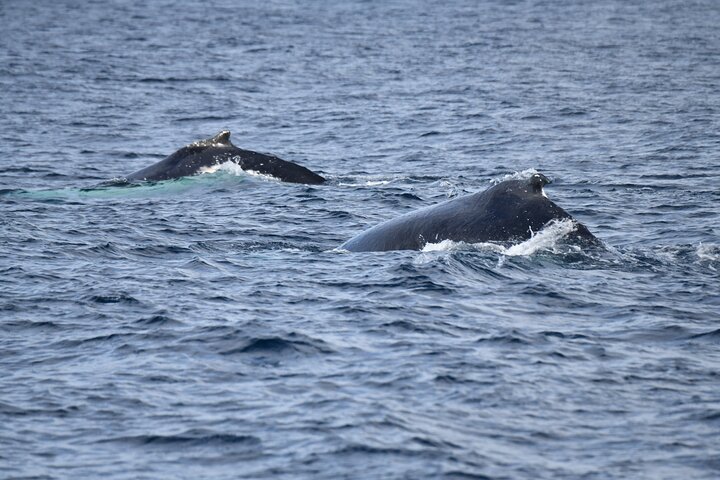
x: 708, y: 252
x: 370, y: 181
x: 547, y: 239
x: 523, y: 175
x: 233, y: 168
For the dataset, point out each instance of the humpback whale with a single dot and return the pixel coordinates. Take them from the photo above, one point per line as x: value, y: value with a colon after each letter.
x: 511, y: 210
x: 217, y: 150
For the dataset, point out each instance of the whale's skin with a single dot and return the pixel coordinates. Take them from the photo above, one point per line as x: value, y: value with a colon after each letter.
x: 217, y: 150
x: 511, y: 210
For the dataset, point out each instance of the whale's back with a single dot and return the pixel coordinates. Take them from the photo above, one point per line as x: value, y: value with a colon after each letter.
x: 511, y: 210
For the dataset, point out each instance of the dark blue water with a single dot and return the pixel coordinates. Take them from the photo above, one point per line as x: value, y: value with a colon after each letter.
x: 208, y: 328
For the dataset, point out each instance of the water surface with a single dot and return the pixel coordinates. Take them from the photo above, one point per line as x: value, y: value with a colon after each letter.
x: 208, y: 327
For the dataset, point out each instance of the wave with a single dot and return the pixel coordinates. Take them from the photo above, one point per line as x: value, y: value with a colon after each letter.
x: 290, y: 344
x: 378, y: 180
x: 657, y: 258
x: 194, y: 437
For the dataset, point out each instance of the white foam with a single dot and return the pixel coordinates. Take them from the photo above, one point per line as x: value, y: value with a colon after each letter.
x: 444, y: 246
x: 211, y: 169
x: 264, y: 176
x: 233, y: 168
x: 546, y: 239
x: 524, y: 175
x: 709, y: 252
x: 369, y: 183
x: 227, y: 167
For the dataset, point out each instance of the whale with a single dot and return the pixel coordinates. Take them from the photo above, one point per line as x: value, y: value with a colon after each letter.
x: 512, y: 210
x: 204, y: 154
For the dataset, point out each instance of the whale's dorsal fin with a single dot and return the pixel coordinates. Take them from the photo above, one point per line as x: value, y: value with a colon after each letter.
x: 538, y: 181
x: 222, y: 139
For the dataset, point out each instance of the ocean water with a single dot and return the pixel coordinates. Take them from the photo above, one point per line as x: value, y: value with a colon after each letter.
x: 208, y: 327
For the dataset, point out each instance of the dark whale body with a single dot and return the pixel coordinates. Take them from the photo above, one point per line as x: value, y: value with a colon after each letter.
x: 217, y: 150
x: 511, y: 210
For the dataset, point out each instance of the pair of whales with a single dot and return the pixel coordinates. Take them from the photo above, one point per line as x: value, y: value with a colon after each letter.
x: 509, y: 211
